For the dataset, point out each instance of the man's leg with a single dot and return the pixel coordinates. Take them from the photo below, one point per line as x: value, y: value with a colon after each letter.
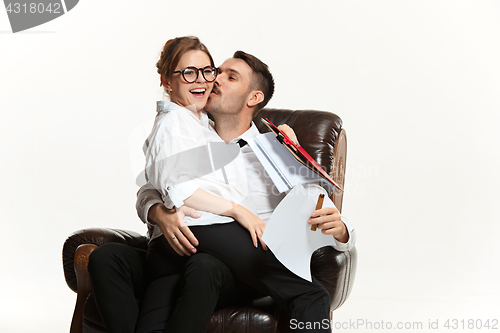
x: 117, y: 272
x: 230, y: 242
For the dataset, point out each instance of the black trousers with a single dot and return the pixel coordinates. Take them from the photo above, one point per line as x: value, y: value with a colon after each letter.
x: 206, y: 285
x: 118, y: 275
x: 308, y: 302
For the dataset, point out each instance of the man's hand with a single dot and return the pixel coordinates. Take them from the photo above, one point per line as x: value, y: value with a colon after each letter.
x: 171, y: 224
x: 328, y: 220
x: 289, y: 132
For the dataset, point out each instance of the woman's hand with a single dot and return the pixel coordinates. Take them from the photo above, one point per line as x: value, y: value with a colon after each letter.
x: 252, y: 223
x: 289, y: 132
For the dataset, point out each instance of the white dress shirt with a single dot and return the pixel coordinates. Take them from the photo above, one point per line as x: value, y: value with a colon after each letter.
x: 266, y: 196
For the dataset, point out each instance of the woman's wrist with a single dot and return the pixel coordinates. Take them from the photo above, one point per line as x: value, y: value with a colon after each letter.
x: 236, y: 211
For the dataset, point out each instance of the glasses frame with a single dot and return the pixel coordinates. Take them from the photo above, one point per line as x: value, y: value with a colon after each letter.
x: 215, y: 70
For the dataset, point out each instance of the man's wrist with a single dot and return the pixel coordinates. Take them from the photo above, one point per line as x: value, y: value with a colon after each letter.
x: 344, y: 238
x: 153, y: 212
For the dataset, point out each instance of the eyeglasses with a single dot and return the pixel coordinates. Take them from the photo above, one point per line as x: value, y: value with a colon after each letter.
x: 190, y: 74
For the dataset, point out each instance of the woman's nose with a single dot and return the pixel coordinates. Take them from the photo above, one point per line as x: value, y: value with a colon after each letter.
x: 200, y: 79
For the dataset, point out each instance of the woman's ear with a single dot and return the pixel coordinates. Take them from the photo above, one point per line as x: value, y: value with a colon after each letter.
x: 165, y: 83
x: 256, y: 98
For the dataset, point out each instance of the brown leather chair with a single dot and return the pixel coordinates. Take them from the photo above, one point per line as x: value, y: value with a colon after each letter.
x: 322, y: 136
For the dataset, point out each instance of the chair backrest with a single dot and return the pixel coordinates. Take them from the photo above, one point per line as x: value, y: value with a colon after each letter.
x: 320, y: 133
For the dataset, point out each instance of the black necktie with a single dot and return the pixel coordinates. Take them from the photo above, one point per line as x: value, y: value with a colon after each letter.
x: 242, y: 143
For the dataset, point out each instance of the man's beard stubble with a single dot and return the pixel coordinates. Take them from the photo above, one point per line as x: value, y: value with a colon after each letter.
x: 225, y: 108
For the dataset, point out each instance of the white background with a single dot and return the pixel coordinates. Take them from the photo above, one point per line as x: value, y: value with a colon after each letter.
x: 417, y: 84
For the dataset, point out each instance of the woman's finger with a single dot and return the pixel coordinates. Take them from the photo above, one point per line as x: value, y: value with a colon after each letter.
x: 254, y: 237
x: 264, y: 246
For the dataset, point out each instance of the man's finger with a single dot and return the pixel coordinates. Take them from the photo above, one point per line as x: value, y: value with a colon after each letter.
x: 174, y: 246
x: 179, y: 241
x: 187, y: 239
x: 189, y: 235
x: 325, y: 211
x: 323, y: 219
x: 191, y: 212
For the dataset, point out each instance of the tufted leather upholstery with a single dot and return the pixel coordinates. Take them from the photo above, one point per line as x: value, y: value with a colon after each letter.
x: 322, y: 136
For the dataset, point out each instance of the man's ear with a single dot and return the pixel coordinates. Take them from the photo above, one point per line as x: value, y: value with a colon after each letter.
x: 256, y: 97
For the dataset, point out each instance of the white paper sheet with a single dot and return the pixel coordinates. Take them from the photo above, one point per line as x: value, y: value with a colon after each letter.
x: 289, y: 235
x: 285, y: 171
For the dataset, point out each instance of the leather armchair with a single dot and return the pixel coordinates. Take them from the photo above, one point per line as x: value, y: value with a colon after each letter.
x: 322, y: 136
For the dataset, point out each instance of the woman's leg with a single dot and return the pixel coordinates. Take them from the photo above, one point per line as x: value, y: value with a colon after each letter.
x: 158, y: 303
x: 207, y: 283
x: 164, y: 268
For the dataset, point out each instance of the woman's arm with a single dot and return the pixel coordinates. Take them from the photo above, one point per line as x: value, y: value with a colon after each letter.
x: 203, y: 200
x: 171, y: 170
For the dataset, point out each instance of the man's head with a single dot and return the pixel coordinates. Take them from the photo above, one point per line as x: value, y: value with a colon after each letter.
x: 244, y: 85
x: 262, y: 79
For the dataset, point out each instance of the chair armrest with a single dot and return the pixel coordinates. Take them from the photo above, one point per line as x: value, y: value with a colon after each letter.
x: 81, y: 263
x: 95, y: 236
x: 335, y: 270
x: 338, y: 169
x: 76, y: 252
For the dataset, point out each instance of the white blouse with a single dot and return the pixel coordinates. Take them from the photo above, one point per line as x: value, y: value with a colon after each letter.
x: 184, y: 153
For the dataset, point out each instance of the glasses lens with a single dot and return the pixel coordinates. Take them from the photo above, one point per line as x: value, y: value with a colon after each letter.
x: 209, y: 73
x: 190, y: 74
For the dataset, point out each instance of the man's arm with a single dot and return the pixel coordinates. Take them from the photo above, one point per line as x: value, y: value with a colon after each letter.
x: 151, y: 210
x: 147, y: 196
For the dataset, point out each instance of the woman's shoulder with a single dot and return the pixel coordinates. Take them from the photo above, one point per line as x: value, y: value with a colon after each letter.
x: 175, y: 119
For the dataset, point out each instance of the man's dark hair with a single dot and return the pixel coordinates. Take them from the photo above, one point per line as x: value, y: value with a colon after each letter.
x: 262, y: 78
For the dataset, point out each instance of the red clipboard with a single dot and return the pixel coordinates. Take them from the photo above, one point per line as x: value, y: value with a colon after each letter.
x: 299, y: 153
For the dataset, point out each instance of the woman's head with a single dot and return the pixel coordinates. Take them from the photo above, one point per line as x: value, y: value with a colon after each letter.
x: 186, y: 86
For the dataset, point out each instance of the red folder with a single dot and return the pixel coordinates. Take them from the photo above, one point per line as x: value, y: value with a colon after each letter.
x: 299, y: 153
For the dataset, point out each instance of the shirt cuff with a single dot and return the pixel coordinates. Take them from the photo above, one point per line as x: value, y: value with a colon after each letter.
x: 147, y: 207
x: 180, y: 192
x: 352, y: 237
x: 147, y: 197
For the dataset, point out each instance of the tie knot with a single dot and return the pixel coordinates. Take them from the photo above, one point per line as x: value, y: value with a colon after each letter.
x: 242, y: 143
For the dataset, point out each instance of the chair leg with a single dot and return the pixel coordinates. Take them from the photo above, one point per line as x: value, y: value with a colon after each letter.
x: 84, y: 286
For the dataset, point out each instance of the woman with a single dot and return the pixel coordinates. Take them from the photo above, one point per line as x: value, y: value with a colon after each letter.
x: 177, y: 157
x: 186, y: 70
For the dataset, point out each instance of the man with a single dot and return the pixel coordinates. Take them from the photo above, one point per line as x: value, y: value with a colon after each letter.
x: 243, y: 87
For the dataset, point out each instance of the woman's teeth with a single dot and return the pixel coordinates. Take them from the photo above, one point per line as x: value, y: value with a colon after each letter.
x: 198, y: 91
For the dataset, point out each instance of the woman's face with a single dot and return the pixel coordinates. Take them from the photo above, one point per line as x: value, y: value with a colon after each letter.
x: 190, y: 94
